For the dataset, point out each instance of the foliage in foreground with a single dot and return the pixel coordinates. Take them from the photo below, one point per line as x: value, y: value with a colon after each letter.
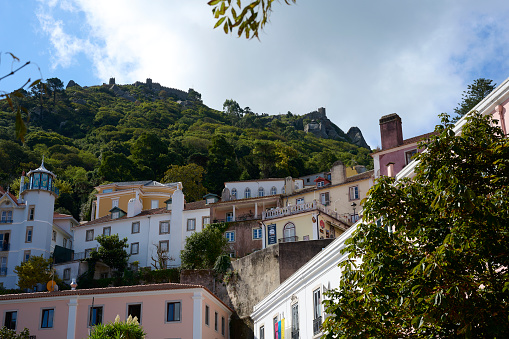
x: 5, y: 333
x: 437, y: 265
x: 130, y: 329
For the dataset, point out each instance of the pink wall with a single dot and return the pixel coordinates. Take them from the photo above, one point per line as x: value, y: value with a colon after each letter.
x: 209, y: 331
x: 397, y: 157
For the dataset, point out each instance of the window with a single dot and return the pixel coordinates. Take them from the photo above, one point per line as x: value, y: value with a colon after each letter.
x: 261, y: 192
x: 230, y: 235
x: 54, y: 236
x: 64, y: 242
x: 26, y: 255
x: 205, y: 221
x: 90, y: 235
x: 409, y: 155
x: 262, y: 332
x: 257, y: 233
x: 115, y: 215
x: 164, y: 245
x: 88, y: 251
x: 11, y: 319
x: 247, y: 193
x: 6, y: 217
x: 47, y: 318
x: 108, y: 190
x: 191, y: 224
x: 324, y: 198
x: 173, y: 311
x: 4, y: 240
x: 229, y: 216
x: 135, y: 228
x: 289, y: 232
x: 67, y: 274
x: 164, y: 227
x: 135, y: 248
x: 299, y: 201
x: 154, y: 204
x: 207, y: 320
x: 29, y: 234
x: 222, y: 325
x: 107, y: 231
x: 273, y: 190
x: 215, y: 321
x: 134, y: 310
x: 95, y: 316
x: 317, y: 311
x: 31, y: 212
x: 295, y: 320
x: 234, y: 193
x: 354, y: 192
x: 114, y: 203
x: 319, y: 184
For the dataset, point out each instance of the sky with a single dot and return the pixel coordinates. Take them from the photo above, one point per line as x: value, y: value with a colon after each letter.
x: 360, y: 59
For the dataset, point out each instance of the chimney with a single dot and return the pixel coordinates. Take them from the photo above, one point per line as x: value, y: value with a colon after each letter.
x: 289, y: 186
x: 391, y: 132
x: 390, y: 169
x: 337, y: 173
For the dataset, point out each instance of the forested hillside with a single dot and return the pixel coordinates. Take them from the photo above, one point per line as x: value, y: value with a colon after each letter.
x: 99, y: 134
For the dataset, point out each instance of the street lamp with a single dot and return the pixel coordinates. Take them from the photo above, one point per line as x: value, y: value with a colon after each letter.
x: 353, y: 206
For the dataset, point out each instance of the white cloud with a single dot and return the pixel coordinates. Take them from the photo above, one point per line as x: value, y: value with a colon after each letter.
x: 359, y: 60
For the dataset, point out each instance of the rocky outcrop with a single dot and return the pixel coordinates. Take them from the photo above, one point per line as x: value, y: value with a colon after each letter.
x: 71, y: 83
x: 355, y: 135
x: 120, y: 93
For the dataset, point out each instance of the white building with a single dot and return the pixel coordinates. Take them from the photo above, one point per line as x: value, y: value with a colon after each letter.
x: 28, y: 225
x: 258, y: 188
x: 146, y: 230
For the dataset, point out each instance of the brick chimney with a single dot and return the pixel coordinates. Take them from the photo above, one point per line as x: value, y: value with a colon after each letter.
x: 391, y: 132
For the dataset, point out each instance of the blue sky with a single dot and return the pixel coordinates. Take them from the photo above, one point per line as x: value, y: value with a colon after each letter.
x: 359, y: 59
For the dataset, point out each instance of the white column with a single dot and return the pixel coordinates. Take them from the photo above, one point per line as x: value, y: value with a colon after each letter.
x: 97, y: 208
x: 234, y: 218
x: 197, y: 314
x: 264, y: 236
x: 256, y: 210
x: 71, y: 320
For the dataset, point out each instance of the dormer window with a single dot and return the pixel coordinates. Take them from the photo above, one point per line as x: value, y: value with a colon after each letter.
x: 319, y: 184
x: 273, y: 190
x: 234, y: 193
x: 168, y: 204
x: 261, y: 192
x: 247, y: 193
x: 115, y: 215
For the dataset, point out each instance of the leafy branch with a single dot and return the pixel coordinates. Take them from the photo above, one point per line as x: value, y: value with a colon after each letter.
x: 250, y: 20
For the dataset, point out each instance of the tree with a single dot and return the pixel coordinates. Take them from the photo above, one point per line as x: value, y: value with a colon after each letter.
x: 6, y: 333
x: 232, y: 108
x: 130, y: 329
x: 248, y: 21
x: 222, y: 165
x: 475, y: 92
x: 54, y: 85
x: 112, y: 252
x: 191, y: 177
x: 203, y: 248
x: 438, y: 268
x: 160, y: 261
x: 36, y: 270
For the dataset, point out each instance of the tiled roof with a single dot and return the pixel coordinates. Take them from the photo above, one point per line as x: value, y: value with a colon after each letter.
x: 350, y: 179
x: 196, y: 205
x: 108, y: 290
x: 360, y: 176
x: 107, y: 218
x: 62, y: 216
x: 254, y: 180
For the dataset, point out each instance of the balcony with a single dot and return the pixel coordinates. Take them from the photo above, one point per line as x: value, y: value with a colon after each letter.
x: 289, y: 210
x: 3, y: 271
x: 289, y: 239
x: 317, y: 325
x: 5, y: 247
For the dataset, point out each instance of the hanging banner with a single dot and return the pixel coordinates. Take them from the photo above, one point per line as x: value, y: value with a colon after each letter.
x: 271, y: 230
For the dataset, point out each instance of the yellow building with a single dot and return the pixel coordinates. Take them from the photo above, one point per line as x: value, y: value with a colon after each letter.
x: 151, y: 194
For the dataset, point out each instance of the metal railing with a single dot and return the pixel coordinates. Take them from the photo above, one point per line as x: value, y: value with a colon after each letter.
x: 317, y: 325
x: 289, y: 210
x: 295, y: 333
x: 289, y: 239
x: 5, y: 247
x: 6, y: 221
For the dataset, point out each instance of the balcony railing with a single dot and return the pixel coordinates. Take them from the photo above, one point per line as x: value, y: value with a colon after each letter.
x: 6, y: 221
x: 5, y: 247
x: 289, y: 239
x: 317, y: 325
x: 289, y: 210
x: 3, y: 271
x: 295, y: 333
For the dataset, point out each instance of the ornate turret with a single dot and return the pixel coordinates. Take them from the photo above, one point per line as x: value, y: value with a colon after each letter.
x: 40, y: 179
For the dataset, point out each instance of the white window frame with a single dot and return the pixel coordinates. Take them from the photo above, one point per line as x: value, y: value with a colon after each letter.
x: 234, y: 193
x: 191, y: 224
x: 29, y: 234
x: 154, y: 204
x: 166, y: 321
x: 161, y: 229
x: 135, y: 230
x: 89, y: 320
x: 107, y: 228
x: 52, y: 319
x: 273, y: 190
x: 230, y: 235
x: 247, y: 193
x: 257, y: 233
x: 261, y: 192
x: 114, y: 203
x: 299, y: 201
x: 354, y: 192
x: 89, y: 238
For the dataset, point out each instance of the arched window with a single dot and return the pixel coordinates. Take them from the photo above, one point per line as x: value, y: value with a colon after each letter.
x: 234, y: 193
x: 261, y: 192
x: 283, y: 190
x: 289, y: 232
x: 247, y: 193
x: 273, y: 190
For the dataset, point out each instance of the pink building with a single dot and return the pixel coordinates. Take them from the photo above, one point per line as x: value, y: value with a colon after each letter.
x: 164, y: 310
x: 396, y: 152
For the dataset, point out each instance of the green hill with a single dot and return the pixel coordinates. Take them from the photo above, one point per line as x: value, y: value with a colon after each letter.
x: 136, y: 132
